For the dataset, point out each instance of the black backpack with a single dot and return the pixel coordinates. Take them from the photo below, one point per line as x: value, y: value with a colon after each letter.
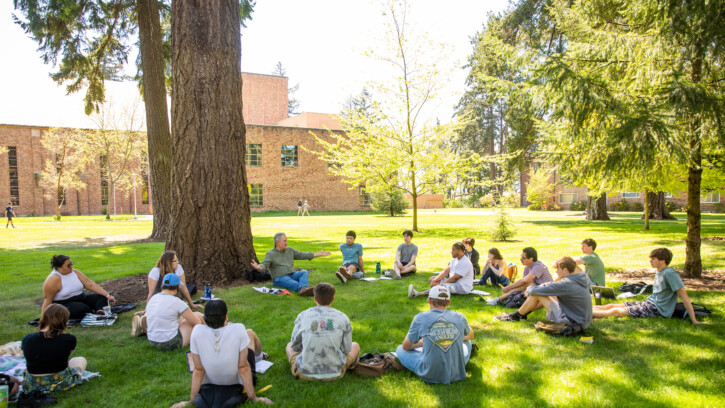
x: 515, y: 300
x: 254, y: 275
x: 638, y: 288
x: 681, y: 312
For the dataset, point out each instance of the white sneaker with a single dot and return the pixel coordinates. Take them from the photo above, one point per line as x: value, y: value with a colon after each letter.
x: 340, y: 276
x: 412, y: 293
x: 394, y: 274
x: 493, y: 302
x: 138, y: 325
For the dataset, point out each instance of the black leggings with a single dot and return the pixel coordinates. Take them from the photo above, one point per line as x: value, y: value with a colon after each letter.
x: 79, y: 305
x: 224, y: 396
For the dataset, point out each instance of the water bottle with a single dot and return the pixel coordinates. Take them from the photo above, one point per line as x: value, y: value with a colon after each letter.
x: 207, y: 290
x: 4, y: 395
x: 377, y: 268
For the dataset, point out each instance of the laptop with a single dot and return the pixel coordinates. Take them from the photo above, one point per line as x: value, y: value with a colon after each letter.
x: 602, y: 291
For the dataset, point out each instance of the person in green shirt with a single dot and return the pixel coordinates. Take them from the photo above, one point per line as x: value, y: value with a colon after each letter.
x: 280, y: 263
x: 661, y: 303
x: 593, y: 265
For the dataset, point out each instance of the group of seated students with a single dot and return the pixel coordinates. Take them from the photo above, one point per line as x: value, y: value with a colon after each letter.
x: 436, y: 347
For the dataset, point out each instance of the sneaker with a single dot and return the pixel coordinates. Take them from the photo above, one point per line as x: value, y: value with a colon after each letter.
x: 510, y: 317
x: 306, y: 291
x: 394, y: 274
x: 344, y: 272
x: 493, y: 302
x: 35, y: 399
x: 340, y: 276
x: 412, y: 293
x: 388, y: 273
x: 261, y: 356
x: 138, y: 325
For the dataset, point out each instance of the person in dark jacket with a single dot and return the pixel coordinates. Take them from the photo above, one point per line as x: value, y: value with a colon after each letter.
x: 472, y: 254
x: 566, y: 301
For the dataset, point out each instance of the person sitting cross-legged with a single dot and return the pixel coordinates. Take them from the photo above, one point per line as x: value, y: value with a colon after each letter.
x: 566, y: 301
x: 457, y: 277
x: 170, y: 320
x: 405, y: 256
x: 535, y: 273
x: 280, y: 262
x: 352, y: 259
x: 445, y: 338
x: 321, y: 347
x: 223, y: 354
x: 494, y: 269
x: 593, y: 265
x: 661, y: 303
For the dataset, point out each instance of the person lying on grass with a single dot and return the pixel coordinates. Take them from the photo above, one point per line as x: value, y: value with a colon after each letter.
x: 168, y: 320
x: 47, y: 352
x: 352, y: 259
x: 169, y: 263
x: 566, y: 301
x: 661, y: 303
x: 405, y: 256
x: 445, y: 337
x: 65, y: 286
x: 321, y: 347
x: 224, y: 356
x: 280, y: 262
x: 535, y: 273
x: 457, y: 277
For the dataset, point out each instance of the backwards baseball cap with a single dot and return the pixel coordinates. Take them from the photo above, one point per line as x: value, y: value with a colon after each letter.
x: 439, y: 292
x: 171, y: 279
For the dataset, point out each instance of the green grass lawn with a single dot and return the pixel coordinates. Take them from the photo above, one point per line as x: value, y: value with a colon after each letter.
x: 653, y: 362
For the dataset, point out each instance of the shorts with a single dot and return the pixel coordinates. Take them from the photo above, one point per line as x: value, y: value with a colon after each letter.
x: 355, y: 264
x: 556, y: 315
x: 349, y: 363
x: 456, y: 288
x: 169, y: 345
x: 642, y: 309
x: 64, y: 380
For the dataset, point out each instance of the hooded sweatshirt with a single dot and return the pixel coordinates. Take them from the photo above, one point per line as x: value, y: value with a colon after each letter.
x: 573, y: 295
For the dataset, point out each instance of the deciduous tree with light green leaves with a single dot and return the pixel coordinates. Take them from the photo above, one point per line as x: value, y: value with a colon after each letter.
x: 637, y: 93
x: 394, y: 143
x: 65, y: 168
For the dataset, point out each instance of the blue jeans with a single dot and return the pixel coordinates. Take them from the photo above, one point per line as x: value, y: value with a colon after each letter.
x: 293, y: 281
x: 495, y: 279
x: 411, y: 359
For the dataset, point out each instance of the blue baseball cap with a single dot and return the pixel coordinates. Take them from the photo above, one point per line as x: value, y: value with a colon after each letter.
x: 171, y: 279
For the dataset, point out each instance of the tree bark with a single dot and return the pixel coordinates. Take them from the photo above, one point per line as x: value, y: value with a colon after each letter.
x: 657, y: 209
x: 693, y: 260
x: 157, y: 116
x: 647, y: 204
x: 597, y: 208
x: 210, y: 218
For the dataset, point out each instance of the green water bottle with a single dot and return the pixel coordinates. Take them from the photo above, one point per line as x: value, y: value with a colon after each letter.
x: 377, y: 268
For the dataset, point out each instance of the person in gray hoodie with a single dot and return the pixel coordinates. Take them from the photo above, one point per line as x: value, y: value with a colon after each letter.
x: 567, y: 300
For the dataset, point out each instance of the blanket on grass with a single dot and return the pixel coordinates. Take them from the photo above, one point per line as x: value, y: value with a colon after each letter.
x: 15, y: 366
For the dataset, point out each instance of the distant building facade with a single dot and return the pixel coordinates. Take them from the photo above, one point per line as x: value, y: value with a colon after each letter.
x: 280, y: 172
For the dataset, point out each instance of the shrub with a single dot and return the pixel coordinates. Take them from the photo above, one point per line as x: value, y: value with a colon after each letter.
x: 472, y: 200
x: 636, y: 207
x: 670, y: 206
x: 554, y: 207
x: 452, y: 203
x: 486, y: 201
x: 534, y: 207
x: 539, y: 189
x: 501, y: 228
x: 621, y: 205
x: 104, y: 210
x: 389, y: 202
x: 578, y: 206
x: 718, y: 208
x: 509, y: 199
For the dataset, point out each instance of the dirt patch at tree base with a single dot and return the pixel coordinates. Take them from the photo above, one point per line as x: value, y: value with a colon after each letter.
x: 713, y: 280
x: 714, y: 239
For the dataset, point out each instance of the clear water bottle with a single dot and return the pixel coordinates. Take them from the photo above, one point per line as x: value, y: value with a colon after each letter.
x: 207, y: 290
x: 377, y: 268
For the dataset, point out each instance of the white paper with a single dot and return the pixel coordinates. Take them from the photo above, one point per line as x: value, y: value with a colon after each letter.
x: 262, y: 290
x: 369, y: 279
x: 480, y: 292
x: 625, y: 295
x: 262, y: 366
x: 385, y: 277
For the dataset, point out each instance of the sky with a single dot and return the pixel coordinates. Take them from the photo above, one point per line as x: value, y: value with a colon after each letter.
x: 320, y: 43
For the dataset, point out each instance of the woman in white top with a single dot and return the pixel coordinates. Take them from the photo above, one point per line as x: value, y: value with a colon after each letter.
x: 169, y: 319
x: 169, y: 263
x: 65, y: 286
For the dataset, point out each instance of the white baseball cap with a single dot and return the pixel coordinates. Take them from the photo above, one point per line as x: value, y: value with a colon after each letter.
x: 439, y: 292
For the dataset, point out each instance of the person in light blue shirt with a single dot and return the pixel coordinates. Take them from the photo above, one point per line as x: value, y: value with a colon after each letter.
x: 352, y: 259
x: 661, y: 303
x: 444, y: 339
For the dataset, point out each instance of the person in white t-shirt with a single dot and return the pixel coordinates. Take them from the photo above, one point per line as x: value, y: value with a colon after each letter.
x: 169, y: 319
x: 223, y: 356
x: 457, y: 277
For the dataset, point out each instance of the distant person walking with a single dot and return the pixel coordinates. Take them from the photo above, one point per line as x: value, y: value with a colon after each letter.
x: 299, y: 207
x: 10, y: 214
x: 305, y: 209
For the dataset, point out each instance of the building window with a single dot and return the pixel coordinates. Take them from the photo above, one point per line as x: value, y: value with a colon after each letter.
x: 254, y: 155
x: 668, y: 195
x: 568, y: 198
x: 289, y: 156
x: 710, y: 198
x: 144, y: 187
x: 535, y: 166
x: 104, y: 179
x: 13, y: 167
x: 364, y: 197
x: 255, y: 195
x: 61, y: 196
x: 630, y: 195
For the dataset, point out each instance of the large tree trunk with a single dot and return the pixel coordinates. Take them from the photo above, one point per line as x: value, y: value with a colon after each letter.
x: 157, y: 116
x: 597, y: 208
x: 210, y: 218
x: 657, y: 209
x: 693, y: 260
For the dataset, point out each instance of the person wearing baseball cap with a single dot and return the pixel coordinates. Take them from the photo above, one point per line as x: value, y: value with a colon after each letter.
x: 169, y: 319
x: 438, y: 344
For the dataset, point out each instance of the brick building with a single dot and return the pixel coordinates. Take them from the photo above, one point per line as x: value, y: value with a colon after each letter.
x: 279, y: 170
